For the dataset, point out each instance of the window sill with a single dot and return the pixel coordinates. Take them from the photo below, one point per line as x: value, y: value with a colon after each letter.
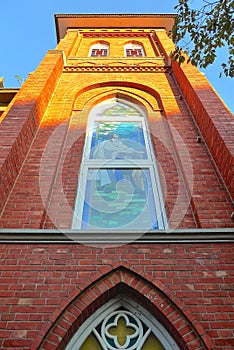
x: 214, y: 235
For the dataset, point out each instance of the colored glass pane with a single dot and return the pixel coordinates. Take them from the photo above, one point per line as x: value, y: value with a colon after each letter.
x: 121, y: 110
x: 118, y: 184
x: 119, y: 198
x: 152, y: 343
x: 118, y: 140
x: 121, y: 331
x: 91, y: 343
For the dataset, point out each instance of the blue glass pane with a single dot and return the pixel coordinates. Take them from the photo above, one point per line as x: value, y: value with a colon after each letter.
x: 118, y: 140
x: 119, y: 198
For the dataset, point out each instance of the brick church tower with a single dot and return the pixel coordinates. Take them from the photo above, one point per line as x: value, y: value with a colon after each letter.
x: 116, y: 196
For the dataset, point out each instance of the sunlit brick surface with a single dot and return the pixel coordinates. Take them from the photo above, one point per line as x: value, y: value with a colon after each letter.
x: 47, y: 291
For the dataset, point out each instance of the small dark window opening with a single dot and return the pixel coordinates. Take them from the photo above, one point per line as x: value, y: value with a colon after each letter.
x: 134, y: 52
x: 99, y: 52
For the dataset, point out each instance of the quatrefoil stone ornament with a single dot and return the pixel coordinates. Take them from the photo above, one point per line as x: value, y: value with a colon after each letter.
x: 121, y: 330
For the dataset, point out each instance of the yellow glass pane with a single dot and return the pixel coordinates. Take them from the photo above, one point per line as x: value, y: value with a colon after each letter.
x: 152, y: 343
x: 121, y: 331
x: 90, y: 343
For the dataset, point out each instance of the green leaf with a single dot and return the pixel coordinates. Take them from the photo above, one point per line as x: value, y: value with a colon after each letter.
x: 203, y: 30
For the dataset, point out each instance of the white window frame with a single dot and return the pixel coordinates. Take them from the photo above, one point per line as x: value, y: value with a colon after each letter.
x: 99, y: 46
x: 141, y: 313
x: 134, y: 46
x: 147, y: 164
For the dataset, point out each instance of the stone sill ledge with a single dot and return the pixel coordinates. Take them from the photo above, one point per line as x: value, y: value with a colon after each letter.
x: 219, y: 235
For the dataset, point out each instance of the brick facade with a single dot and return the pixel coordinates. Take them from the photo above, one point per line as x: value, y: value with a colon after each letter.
x: 48, y: 290
x: 188, y: 287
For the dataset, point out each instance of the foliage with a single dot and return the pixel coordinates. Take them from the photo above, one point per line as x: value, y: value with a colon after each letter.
x: 200, y: 32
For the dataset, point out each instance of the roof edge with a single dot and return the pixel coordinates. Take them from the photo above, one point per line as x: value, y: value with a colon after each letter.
x: 62, y: 15
x: 72, y: 20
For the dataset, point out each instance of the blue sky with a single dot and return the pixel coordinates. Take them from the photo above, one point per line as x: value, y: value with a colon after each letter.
x: 28, y: 32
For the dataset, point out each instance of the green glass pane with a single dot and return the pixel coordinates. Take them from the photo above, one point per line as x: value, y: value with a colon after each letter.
x: 120, y: 110
x: 119, y: 198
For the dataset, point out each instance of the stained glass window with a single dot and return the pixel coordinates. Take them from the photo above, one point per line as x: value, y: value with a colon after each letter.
x: 118, y: 140
x: 125, y: 197
x: 122, y: 324
x: 119, y: 187
x: 121, y: 330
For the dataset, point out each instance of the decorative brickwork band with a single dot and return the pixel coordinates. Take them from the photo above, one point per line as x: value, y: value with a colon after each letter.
x: 117, y: 69
x: 115, y: 35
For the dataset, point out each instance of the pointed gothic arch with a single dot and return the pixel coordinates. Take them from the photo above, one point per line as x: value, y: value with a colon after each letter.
x: 152, y: 295
x: 127, y: 85
x: 75, y: 131
x: 122, y: 323
x: 143, y: 99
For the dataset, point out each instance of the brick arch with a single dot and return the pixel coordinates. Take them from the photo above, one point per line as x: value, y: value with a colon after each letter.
x: 152, y: 295
x: 137, y: 42
x: 118, y: 84
x: 74, y: 140
x: 130, y: 94
x: 99, y: 42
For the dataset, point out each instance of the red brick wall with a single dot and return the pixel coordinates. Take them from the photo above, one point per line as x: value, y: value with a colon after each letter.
x: 37, y: 192
x: 191, y: 285
x: 20, y: 124
x: 211, y: 115
x: 31, y: 184
x: 46, y: 290
x: 214, y: 122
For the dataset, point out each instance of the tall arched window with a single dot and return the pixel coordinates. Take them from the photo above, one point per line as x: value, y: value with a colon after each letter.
x: 99, y: 50
x: 134, y: 50
x: 122, y: 324
x: 118, y: 184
